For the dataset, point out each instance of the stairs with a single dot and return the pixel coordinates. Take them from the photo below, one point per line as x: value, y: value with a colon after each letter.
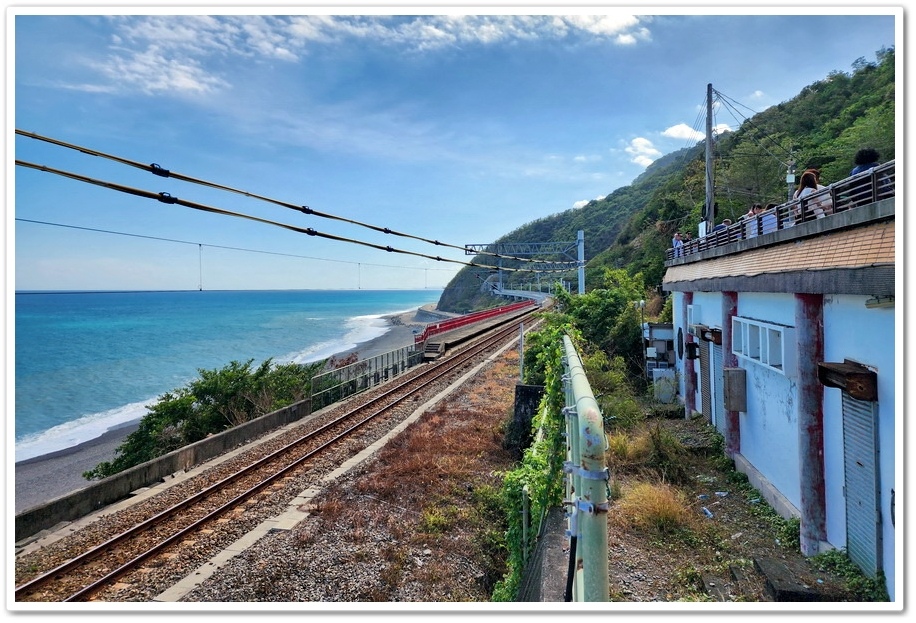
x: 769, y: 580
x: 432, y: 350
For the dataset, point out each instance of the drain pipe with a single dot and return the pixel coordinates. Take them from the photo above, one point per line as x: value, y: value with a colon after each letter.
x: 589, y: 497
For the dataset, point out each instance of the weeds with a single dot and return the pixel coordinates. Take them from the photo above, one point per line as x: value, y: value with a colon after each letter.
x: 667, y: 455
x: 837, y: 561
x: 654, y: 507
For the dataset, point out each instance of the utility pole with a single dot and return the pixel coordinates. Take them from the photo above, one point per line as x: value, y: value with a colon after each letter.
x: 790, y: 177
x: 642, y: 335
x: 580, y: 244
x: 709, y: 218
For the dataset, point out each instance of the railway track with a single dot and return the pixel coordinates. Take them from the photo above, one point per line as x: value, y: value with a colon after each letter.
x: 130, y: 555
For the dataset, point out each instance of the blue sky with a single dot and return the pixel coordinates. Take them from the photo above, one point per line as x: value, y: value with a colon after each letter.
x: 442, y: 125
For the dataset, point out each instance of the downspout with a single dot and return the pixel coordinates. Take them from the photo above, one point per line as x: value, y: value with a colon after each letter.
x: 730, y: 360
x: 690, y: 374
x: 809, y: 320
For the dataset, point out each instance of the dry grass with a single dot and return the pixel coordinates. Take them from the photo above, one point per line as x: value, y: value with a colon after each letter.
x: 654, y: 507
x: 431, y: 494
x: 626, y: 451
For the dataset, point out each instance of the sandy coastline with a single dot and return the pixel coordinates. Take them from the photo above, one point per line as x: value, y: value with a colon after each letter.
x: 43, y: 478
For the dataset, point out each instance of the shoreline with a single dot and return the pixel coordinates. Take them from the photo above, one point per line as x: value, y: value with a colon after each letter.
x: 46, y: 477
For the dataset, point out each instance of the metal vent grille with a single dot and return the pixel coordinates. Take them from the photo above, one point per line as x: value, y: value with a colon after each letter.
x: 860, y: 459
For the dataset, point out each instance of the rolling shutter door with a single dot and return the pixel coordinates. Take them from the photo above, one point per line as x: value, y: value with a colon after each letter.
x: 860, y: 458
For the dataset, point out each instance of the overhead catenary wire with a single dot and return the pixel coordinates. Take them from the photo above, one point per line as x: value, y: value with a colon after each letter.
x: 219, y: 246
x: 160, y: 171
x: 167, y: 198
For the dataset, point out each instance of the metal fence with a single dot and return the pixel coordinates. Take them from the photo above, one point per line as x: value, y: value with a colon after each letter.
x: 847, y: 194
x: 335, y: 385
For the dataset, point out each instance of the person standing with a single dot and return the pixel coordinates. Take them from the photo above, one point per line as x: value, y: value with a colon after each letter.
x: 807, y: 185
x: 751, y: 222
x: 768, y: 221
x: 865, y: 159
x: 677, y: 244
x: 860, y: 191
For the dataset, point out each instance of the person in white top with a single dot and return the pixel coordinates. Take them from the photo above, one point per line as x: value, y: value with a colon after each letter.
x: 807, y: 185
x: 768, y: 221
x: 751, y: 223
x: 677, y: 244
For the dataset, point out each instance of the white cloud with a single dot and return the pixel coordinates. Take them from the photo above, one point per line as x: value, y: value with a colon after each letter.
x: 156, y: 53
x: 683, y: 131
x: 150, y: 71
x: 643, y: 152
x: 584, y: 202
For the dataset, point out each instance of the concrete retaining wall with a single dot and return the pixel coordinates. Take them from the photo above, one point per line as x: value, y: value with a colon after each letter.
x: 117, y: 487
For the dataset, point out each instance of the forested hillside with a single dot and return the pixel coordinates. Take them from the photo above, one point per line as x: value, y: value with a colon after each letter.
x: 630, y: 229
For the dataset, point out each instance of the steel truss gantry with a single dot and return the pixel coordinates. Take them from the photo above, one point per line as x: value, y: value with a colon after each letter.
x: 531, y: 249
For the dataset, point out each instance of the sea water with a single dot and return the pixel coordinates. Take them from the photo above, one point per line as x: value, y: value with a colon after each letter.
x: 89, y: 362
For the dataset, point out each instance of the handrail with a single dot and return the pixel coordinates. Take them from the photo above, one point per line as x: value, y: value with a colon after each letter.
x: 852, y: 192
x: 587, y: 487
x: 460, y: 321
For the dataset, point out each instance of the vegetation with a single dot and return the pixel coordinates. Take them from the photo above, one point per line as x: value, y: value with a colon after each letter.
x: 215, y: 401
x: 838, y: 562
x: 631, y: 227
x: 627, y: 233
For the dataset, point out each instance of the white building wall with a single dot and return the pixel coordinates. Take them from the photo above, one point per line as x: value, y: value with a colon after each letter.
x: 852, y: 331
x: 769, y: 427
x: 768, y: 307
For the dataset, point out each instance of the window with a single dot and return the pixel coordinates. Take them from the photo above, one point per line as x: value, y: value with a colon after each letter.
x: 766, y: 344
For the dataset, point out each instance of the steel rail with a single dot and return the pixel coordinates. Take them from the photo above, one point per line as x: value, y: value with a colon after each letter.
x: 431, y: 374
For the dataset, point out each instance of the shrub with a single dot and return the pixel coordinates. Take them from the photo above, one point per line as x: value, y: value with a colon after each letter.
x: 219, y: 399
x: 654, y: 508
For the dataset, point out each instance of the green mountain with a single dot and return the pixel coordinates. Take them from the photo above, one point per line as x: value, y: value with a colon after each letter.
x: 823, y: 127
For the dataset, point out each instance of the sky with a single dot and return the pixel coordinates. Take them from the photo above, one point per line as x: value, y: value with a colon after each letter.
x: 447, y: 124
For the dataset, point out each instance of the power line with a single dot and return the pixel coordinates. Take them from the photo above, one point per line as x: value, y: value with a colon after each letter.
x: 169, y: 199
x: 728, y: 103
x: 217, y: 246
x: 156, y: 169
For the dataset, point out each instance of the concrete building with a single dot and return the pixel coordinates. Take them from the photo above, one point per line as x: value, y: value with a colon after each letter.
x: 785, y: 342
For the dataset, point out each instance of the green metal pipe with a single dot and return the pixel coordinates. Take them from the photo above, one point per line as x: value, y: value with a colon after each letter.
x: 588, y: 468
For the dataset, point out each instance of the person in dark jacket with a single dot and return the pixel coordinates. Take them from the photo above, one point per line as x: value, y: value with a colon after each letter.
x: 865, y: 159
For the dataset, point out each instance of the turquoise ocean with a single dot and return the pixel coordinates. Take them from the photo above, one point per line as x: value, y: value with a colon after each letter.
x: 87, y: 362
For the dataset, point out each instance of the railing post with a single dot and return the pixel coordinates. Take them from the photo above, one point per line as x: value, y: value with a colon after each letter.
x: 588, y: 469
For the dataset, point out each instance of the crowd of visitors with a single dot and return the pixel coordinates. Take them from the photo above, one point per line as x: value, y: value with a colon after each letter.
x: 761, y: 219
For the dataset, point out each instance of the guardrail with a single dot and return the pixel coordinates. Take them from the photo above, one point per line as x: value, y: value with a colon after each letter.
x: 335, y: 385
x: 852, y: 192
x: 587, y: 489
x: 460, y: 321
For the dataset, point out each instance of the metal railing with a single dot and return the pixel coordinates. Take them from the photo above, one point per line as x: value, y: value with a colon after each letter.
x: 340, y: 383
x: 587, y: 489
x: 847, y: 194
x: 461, y: 321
